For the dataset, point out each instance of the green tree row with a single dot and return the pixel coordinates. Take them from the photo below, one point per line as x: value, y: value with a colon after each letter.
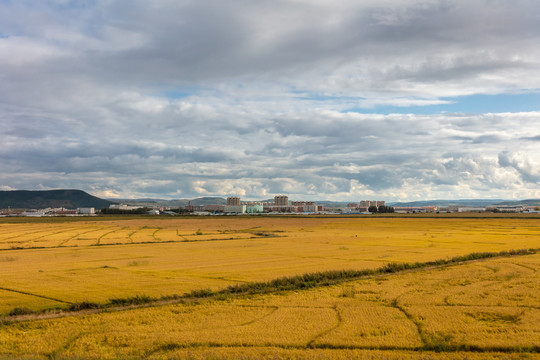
x: 381, y: 209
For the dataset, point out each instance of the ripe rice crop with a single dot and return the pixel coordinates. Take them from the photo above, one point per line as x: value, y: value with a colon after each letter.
x: 353, y: 318
x: 488, y: 308
x: 97, y: 260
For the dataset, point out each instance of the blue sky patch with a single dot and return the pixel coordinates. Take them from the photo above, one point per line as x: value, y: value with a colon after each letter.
x: 473, y: 104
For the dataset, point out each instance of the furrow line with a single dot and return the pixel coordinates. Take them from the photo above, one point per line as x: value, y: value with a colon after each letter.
x: 36, y: 295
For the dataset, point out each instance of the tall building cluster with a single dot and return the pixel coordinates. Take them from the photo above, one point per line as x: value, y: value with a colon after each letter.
x: 281, y: 204
x: 281, y: 200
x: 234, y: 201
x: 368, y: 203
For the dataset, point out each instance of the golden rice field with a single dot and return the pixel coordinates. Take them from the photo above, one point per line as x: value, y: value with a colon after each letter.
x: 476, y: 310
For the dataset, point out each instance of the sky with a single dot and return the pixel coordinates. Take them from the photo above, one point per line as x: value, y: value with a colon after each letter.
x: 345, y: 100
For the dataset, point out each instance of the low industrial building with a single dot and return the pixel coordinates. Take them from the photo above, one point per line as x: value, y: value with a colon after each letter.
x: 234, y: 209
x: 471, y: 209
x: 86, y: 211
x: 254, y: 209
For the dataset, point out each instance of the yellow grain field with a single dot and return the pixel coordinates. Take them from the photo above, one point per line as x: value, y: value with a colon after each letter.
x: 76, y: 261
x: 482, y: 309
x: 378, y: 318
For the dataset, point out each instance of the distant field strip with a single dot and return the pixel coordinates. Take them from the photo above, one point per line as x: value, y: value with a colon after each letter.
x: 18, y: 236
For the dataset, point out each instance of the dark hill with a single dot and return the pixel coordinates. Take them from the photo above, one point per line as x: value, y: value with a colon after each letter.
x: 69, y: 199
x: 528, y: 202
x: 467, y: 202
x: 174, y: 203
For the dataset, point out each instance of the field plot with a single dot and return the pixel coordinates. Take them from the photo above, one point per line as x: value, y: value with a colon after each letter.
x: 85, y: 233
x: 12, y: 300
x: 399, y: 316
x: 82, y: 260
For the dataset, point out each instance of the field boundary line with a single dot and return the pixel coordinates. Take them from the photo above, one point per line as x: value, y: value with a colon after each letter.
x: 519, y: 306
x: 69, y: 341
x: 172, y: 346
x: 270, y: 313
x: 36, y: 295
x: 39, y: 237
x: 311, y: 343
x: 419, y: 326
x: 524, y: 266
x: 28, y: 233
x: 131, y: 242
x: 71, y: 238
x: 98, y: 242
x: 154, y: 234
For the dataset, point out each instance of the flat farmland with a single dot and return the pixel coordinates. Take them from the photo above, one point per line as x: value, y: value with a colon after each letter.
x: 81, y: 260
x: 486, y: 308
x: 480, y: 310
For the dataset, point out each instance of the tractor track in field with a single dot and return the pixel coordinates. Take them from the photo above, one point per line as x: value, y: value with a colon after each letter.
x: 22, y: 235
x: 311, y: 343
x: 418, y: 325
x: 61, y: 244
x: 525, y: 267
x: 70, y: 341
x: 98, y: 240
x: 270, y: 313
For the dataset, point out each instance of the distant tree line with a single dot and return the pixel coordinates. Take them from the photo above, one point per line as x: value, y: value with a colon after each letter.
x: 381, y: 209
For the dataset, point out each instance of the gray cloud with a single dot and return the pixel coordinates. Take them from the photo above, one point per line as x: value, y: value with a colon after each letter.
x: 181, y: 99
x: 531, y: 138
x: 521, y: 164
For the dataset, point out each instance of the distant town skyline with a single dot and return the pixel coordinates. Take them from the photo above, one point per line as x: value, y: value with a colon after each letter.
x: 320, y: 100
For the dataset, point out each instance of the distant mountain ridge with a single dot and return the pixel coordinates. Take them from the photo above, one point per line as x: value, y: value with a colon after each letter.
x: 466, y: 202
x: 527, y: 202
x: 41, y: 199
x: 173, y: 203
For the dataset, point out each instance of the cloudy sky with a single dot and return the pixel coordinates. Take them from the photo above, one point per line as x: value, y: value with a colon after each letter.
x: 316, y: 99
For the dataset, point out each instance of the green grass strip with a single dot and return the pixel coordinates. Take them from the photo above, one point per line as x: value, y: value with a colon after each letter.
x: 333, y: 277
